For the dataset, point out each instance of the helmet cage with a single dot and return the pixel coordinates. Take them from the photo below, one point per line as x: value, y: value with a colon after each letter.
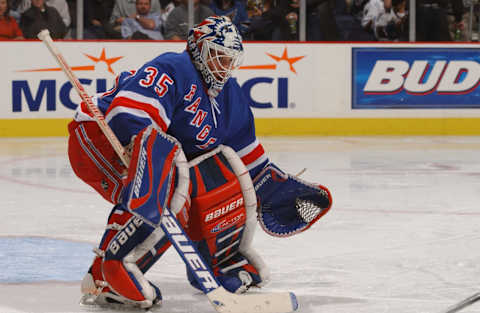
x: 215, y: 46
x: 220, y: 61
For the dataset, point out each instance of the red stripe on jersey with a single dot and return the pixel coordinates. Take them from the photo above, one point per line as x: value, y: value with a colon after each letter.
x: 254, y: 155
x: 148, y: 108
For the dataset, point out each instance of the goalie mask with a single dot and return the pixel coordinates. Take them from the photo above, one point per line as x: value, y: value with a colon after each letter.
x: 215, y: 46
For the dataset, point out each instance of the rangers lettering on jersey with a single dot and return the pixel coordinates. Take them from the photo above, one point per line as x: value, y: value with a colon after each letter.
x: 454, y: 77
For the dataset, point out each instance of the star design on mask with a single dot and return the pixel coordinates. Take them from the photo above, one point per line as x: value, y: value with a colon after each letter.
x: 103, y: 58
x: 284, y: 57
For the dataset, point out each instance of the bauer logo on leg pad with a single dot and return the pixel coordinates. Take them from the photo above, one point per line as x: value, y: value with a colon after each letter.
x: 122, y: 237
x: 150, y: 175
x: 236, y: 203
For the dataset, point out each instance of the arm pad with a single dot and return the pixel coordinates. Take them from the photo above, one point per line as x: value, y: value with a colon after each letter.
x: 286, y: 204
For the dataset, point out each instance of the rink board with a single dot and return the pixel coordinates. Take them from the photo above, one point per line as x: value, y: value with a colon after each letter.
x: 295, y: 89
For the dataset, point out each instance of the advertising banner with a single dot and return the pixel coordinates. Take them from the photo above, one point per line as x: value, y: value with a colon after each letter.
x: 293, y: 88
x: 415, y: 78
x: 273, y: 76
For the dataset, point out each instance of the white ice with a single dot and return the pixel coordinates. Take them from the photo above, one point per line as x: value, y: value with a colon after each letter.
x: 402, y: 236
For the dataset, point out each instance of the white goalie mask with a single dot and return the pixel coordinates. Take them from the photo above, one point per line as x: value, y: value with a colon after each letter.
x: 215, y: 46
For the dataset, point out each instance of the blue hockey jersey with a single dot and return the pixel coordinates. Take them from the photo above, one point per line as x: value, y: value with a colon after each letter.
x: 169, y: 92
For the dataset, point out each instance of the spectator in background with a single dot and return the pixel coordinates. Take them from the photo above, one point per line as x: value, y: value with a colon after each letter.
x: 371, y: 10
x: 432, y: 21
x: 176, y: 27
x: 40, y: 16
x: 167, y: 7
x: 391, y: 22
x: 348, y: 14
x: 123, y: 9
x: 291, y: 15
x: 145, y: 25
x: 9, y: 29
x: 96, y: 16
x: 14, y: 5
x: 269, y: 21
x: 321, y: 23
x: 236, y: 10
x: 60, y: 5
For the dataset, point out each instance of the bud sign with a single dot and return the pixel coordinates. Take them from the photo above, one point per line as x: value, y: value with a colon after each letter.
x: 415, y: 78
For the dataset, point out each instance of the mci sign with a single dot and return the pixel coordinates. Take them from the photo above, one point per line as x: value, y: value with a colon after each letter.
x: 415, y: 78
x: 45, y: 90
x: 51, y: 95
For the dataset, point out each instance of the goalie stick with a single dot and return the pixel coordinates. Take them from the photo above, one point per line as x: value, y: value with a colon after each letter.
x: 463, y: 304
x: 222, y: 300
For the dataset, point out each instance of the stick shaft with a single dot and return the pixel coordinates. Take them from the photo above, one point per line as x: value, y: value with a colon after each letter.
x: 44, y: 35
x: 464, y: 303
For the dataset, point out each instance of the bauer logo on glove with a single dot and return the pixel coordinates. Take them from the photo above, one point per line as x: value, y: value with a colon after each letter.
x: 288, y: 205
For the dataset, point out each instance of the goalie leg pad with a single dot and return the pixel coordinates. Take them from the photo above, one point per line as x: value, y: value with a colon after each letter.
x: 150, y: 180
x: 218, y: 220
x: 115, y: 275
x: 288, y: 205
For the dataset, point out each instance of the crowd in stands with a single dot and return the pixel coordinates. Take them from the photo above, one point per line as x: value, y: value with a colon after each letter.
x: 265, y: 20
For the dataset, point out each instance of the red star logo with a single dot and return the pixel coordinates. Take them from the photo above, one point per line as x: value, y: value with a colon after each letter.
x: 103, y: 58
x: 284, y: 57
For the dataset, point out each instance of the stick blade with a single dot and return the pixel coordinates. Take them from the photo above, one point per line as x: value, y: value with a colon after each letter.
x: 464, y: 303
x: 226, y: 302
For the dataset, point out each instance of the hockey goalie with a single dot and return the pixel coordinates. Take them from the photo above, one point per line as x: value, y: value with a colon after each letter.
x: 176, y: 105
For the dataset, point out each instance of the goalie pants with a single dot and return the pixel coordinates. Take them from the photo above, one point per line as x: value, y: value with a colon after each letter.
x: 94, y: 161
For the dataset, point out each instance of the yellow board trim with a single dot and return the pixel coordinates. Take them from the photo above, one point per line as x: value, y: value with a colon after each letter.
x: 33, y: 127
x: 367, y: 126
x: 288, y: 127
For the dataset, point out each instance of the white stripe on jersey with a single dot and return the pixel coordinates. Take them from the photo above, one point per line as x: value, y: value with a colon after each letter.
x: 136, y: 112
x: 147, y: 100
x: 243, y: 152
x: 257, y: 162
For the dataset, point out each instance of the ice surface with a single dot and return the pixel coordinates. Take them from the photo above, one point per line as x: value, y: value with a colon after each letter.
x: 403, y: 234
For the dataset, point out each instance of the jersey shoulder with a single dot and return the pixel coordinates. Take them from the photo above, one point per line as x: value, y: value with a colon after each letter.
x: 179, y: 68
x: 178, y: 64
